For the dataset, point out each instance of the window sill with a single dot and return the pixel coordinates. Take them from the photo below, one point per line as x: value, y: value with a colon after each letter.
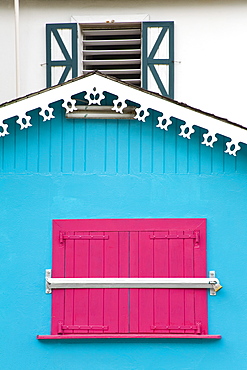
x: 131, y: 336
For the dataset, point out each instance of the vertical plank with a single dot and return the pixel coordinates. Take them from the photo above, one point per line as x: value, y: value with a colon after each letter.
x: 81, y: 312
x: 145, y: 270
x: 205, y: 155
x: 241, y: 159
x: 123, y: 146
x: 194, y: 147
x: 9, y: 147
x: 96, y: 269
x: 67, y: 154
x: 33, y: 143
x: 95, y: 149
x: 161, y: 296
x: 218, y: 155
x: 56, y: 141
x: 80, y: 145
x: 182, y: 151
x: 134, y: 272
x: 146, y: 146
x: 230, y: 161
x: 44, y: 151
x: 170, y: 147
x: 134, y: 146
x: 111, y: 269
x: 189, y: 294
x: 158, y: 139
x: 176, y: 270
x: 123, y: 262
x: 200, y: 268
x: 69, y: 293
x: 21, y: 149
x: 111, y: 149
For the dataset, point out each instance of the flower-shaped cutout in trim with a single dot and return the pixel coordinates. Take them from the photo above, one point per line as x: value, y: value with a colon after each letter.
x: 94, y: 96
x: 232, y: 147
x: 119, y: 105
x: 24, y: 121
x: 46, y: 113
x: 186, y: 130
x: 209, y: 139
x: 69, y: 105
x: 4, y: 128
x: 141, y: 114
x: 167, y: 123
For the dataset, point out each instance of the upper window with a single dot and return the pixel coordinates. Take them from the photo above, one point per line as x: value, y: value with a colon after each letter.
x: 113, y: 49
x: 140, y: 53
x: 133, y: 248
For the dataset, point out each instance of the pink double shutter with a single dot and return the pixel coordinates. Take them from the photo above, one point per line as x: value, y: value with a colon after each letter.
x: 129, y: 248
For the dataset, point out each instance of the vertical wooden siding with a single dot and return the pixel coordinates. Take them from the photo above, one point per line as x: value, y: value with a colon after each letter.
x: 111, y: 146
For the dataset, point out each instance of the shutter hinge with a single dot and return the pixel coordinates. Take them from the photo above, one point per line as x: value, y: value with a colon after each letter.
x: 62, y: 327
x: 63, y: 236
x: 176, y: 235
x: 197, y: 327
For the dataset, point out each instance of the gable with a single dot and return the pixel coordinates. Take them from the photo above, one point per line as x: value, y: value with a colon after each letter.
x: 97, y: 85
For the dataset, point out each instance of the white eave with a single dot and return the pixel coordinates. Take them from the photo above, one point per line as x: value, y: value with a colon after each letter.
x: 96, y: 84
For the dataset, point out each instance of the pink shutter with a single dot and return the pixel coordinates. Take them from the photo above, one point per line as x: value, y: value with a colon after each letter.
x: 90, y: 254
x: 171, y: 253
x: 129, y: 248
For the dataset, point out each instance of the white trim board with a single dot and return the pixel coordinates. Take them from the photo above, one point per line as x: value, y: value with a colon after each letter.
x: 96, y: 84
x: 109, y: 18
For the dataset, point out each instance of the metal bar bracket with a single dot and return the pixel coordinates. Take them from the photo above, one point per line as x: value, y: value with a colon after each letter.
x: 211, y: 283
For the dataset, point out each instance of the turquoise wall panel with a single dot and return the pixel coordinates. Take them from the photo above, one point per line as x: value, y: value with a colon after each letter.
x: 116, y: 169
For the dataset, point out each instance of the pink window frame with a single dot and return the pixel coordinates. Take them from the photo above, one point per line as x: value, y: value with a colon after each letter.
x: 133, y: 226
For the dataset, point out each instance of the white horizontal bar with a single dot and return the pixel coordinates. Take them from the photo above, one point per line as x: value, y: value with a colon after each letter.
x: 152, y: 283
x: 103, y: 108
x: 98, y: 115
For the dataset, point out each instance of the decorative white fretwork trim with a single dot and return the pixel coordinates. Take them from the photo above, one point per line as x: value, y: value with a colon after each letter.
x: 96, y: 85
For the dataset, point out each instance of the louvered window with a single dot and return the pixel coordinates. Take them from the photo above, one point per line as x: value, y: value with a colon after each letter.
x: 113, y: 50
x: 140, y: 53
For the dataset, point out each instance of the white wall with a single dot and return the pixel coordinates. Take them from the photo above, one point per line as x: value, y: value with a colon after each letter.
x: 210, y: 46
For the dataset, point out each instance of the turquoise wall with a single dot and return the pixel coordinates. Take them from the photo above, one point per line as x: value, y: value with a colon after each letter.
x: 116, y: 169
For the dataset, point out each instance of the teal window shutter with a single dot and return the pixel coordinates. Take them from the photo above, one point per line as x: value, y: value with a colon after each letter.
x: 61, y: 52
x: 158, y: 57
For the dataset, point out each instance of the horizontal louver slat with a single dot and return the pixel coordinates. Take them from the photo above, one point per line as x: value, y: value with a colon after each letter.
x: 132, y: 81
x: 114, y: 71
x: 112, y: 42
x: 111, y: 61
x: 113, y: 32
x: 110, y: 52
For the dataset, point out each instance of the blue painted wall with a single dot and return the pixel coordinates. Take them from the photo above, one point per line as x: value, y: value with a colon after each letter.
x: 116, y: 169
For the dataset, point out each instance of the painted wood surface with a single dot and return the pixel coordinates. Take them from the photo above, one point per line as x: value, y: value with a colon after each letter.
x: 50, y: 173
x: 112, y: 147
x: 129, y: 248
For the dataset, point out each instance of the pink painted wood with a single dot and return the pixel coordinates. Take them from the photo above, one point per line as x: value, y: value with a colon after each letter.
x: 133, y: 248
x: 147, y: 336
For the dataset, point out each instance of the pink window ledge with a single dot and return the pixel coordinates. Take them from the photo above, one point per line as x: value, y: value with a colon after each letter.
x: 148, y: 336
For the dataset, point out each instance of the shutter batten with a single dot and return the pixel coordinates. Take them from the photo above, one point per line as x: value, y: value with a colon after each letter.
x: 158, y: 51
x: 61, y: 53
